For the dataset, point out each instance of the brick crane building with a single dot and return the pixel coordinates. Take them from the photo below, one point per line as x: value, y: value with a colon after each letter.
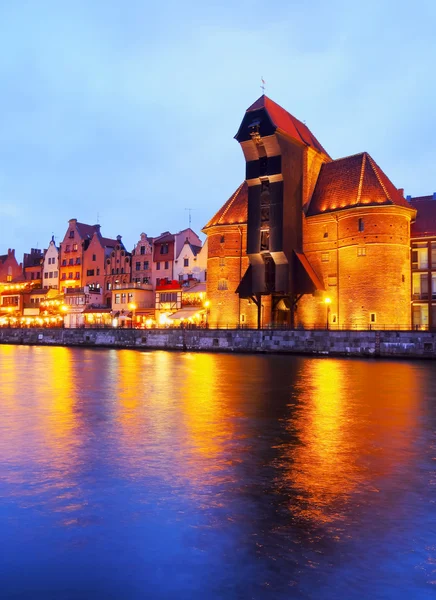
x: 307, y: 240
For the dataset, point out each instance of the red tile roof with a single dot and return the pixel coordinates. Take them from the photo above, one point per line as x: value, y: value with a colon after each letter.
x: 234, y: 211
x: 350, y: 182
x: 425, y: 223
x: 287, y: 123
x: 86, y: 230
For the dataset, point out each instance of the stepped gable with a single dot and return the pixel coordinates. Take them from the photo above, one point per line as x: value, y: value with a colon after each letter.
x: 286, y: 123
x: 425, y: 223
x: 234, y: 211
x: 351, y: 182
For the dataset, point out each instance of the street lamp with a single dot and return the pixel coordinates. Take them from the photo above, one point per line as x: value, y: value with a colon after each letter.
x: 327, y: 302
x: 206, y: 306
x: 132, y: 307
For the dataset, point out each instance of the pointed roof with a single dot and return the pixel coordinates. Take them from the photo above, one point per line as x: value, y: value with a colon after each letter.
x: 350, y: 182
x: 234, y: 211
x: 286, y: 123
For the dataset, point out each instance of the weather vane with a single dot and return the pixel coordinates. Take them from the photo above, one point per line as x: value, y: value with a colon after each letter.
x: 262, y: 85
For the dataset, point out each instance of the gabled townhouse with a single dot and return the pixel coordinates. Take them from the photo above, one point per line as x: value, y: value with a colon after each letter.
x: 94, y: 261
x: 50, y: 278
x: 142, y: 260
x: 33, y: 264
x: 191, y: 263
x: 117, y: 269
x: 72, y: 249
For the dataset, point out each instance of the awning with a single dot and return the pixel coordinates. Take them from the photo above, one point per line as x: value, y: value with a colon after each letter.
x: 91, y: 310
x: 186, y: 313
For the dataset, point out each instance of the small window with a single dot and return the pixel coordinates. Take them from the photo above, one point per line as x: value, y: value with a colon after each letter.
x: 361, y: 251
x: 64, y: 262
x: 264, y: 240
x: 223, y: 284
x: 71, y: 261
x: 138, y: 266
x: 98, y: 271
x: 222, y: 239
x: 94, y: 258
x: 64, y: 275
x: 74, y: 247
x: 242, y: 318
x: 142, y: 249
x: 334, y: 319
x: 45, y: 275
x: 186, y: 262
x: 77, y: 275
x: 222, y: 261
x: 326, y: 233
x: 372, y: 317
x: 146, y: 265
x: 158, y: 266
x: 117, y: 298
x: 403, y: 278
x: 72, y: 234
x: 166, y: 265
x: 77, y: 261
x: 361, y: 225
x: 67, y: 249
x: 325, y: 257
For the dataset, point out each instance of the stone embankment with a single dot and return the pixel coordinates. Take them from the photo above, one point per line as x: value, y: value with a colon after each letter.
x: 407, y: 344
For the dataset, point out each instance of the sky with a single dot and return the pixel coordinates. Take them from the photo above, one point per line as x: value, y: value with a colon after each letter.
x: 124, y: 113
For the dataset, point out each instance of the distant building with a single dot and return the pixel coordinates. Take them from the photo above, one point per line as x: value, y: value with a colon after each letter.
x: 117, y: 270
x: 50, y: 279
x: 76, y: 301
x: 72, y: 249
x: 132, y: 304
x: 9, y: 267
x: 95, y: 257
x: 191, y: 263
x: 33, y: 264
x: 423, y: 260
x: 166, y: 248
x: 142, y: 260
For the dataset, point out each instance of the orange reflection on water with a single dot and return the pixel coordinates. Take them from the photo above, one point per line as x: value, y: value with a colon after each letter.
x: 350, y: 431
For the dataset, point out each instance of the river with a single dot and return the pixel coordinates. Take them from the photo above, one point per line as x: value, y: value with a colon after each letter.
x: 161, y: 475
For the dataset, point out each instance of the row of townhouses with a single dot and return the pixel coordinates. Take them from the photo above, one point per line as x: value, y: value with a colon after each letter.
x: 306, y: 241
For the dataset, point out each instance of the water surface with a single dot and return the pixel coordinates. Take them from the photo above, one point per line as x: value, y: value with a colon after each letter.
x: 131, y: 475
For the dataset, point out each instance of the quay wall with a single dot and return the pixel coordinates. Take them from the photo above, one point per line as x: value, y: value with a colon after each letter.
x: 405, y: 344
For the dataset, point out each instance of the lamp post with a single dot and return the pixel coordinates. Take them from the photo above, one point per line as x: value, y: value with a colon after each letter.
x: 206, y: 306
x: 132, y: 307
x: 327, y: 302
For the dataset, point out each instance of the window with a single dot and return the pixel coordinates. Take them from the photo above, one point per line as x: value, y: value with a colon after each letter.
x: 164, y: 249
x: 64, y: 262
x: 158, y: 281
x: 264, y: 240
x: 264, y: 214
x: 77, y: 261
x: 94, y: 258
x: 361, y: 251
x: 70, y: 276
x: 72, y: 234
x: 74, y: 247
x: 71, y: 261
x: 166, y: 264
x: 138, y: 266
x: 64, y: 275
x: 98, y: 272
x: 113, y: 271
x: 90, y: 273
x: 130, y: 297
x: 142, y: 249
x: 117, y: 298
x: 242, y: 318
x: 123, y: 298
x: 77, y: 275
x: 420, y: 255
x: 55, y: 274
x: 222, y: 239
x: 158, y: 266
x: 108, y: 286
x: 51, y: 275
x: 122, y: 271
x: 146, y: 265
x: 222, y: 284
x: 222, y: 261
x: 67, y: 249
x: 325, y: 257
x: 334, y: 319
x: 361, y: 225
x: 372, y: 317
x: 168, y: 297
x: 186, y: 262
x: 326, y: 233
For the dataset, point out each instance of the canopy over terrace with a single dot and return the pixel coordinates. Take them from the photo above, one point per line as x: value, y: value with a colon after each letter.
x: 193, y: 314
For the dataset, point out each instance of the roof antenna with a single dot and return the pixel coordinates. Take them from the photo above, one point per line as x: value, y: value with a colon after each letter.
x: 262, y: 84
x: 189, y: 212
x: 98, y: 218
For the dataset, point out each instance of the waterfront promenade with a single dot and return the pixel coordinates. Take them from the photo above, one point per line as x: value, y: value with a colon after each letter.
x: 400, y: 344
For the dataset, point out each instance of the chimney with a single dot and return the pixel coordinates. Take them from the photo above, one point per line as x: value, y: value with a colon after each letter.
x: 119, y: 238
x: 401, y: 190
x: 72, y: 221
x: 408, y: 198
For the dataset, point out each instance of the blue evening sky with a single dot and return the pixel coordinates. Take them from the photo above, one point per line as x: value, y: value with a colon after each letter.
x: 128, y: 109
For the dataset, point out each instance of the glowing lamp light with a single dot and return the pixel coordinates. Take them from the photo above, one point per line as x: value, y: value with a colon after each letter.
x: 327, y: 300
x: 207, y: 304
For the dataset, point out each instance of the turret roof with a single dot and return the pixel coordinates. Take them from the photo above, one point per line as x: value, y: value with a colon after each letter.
x: 234, y: 211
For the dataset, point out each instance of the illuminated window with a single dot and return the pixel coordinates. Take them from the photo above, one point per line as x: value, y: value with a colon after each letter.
x: 325, y: 257
x: 223, y: 284
x: 123, y: 298
x: 74, y: 247
x: 361, y: 251
x: 361, y: 225
x: 372, y: 317
x: 117, y: 298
